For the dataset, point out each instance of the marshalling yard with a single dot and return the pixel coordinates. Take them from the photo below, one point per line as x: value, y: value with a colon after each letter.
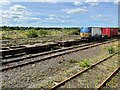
x: 60, y: 62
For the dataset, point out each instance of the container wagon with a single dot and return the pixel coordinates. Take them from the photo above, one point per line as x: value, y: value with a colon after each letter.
x: 91, y: 33
x: 109, y: 32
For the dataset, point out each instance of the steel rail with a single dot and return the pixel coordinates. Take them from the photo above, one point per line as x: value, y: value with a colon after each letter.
x: 77, y: 74
x: 45, y: 53
x: 108, y: 78
x: 52, y: 56
x: 46, y: 57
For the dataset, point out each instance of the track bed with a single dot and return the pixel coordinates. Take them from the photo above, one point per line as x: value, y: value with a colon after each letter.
x: 49, y: 72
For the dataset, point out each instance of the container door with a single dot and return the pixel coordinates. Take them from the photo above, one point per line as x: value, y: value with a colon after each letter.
x: 96, y: 31
x: 114, y: 31
x: 106, y: 32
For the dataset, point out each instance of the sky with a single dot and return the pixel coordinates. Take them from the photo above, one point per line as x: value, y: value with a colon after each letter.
x: 54, y: 13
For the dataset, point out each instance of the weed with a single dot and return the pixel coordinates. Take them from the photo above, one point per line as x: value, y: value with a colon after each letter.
x: 65, y: 64
x: 84, y: 63
x: 72, y: 61
x: 111, y: 50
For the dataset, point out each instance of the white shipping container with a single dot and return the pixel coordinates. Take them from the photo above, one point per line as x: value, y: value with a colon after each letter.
x: 96, y: 31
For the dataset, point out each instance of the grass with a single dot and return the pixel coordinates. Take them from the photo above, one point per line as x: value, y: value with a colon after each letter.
x: 42, y: 32
x: 31, y: 33
x: 85, y: 63
x: 13, y: 34
x: 111, y: 50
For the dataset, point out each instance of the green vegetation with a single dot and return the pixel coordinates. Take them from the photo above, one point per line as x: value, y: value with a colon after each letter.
x: 84, y: 63
x: 12, y: 34
x: 31, y: 32
x: 73, y: 61
x: 111, y: 50
x: 43, y: 32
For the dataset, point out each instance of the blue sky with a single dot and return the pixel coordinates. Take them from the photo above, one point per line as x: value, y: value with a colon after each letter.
x: 59, y: 14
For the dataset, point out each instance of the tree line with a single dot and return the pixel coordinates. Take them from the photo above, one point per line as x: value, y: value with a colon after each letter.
x: 35, y: 28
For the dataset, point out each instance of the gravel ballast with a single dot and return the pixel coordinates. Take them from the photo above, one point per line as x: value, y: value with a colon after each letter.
x: 94, y: 76
x: 34, y: 75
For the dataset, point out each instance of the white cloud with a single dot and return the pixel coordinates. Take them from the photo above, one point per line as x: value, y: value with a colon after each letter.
x: 53, y: 19
x: 96, y: 16
x: 77, y: 3
x: 51, y: 1
x: 62, y: 21
x: 4, y: 2
x: 16, y: 13
x: 65, y: 17
x: 100, y: 17
x: 56, y: 18
x: 116, y: 2
x: 60, y: 0
x: 35, y: 18
x: 52, y: 16
x: 92, y: 2
x: 48, y: 0
x: 17, y: 8
x: 74, y: 11
x: 107, y: 19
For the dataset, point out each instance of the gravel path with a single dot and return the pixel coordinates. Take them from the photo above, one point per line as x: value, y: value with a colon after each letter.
x: 32, y: 75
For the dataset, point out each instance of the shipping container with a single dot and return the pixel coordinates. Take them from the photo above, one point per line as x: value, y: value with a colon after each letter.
x: 96, y: 31
x: 109, y: 32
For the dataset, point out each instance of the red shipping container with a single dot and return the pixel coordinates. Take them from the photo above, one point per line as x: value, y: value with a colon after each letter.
x: 109, y: 32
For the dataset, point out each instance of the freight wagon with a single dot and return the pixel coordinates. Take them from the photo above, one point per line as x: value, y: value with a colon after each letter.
x: 109, y: 32
x: 91, y: 33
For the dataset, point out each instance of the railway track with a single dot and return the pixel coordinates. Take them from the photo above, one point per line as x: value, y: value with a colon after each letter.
x: 22, y: 61
x: 108, y: 78
x: 85, y: 70
x: 5, y: 61
x: 42, y: 39
x: 15, y: 51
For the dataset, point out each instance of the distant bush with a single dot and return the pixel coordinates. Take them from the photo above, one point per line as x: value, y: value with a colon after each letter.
x: 5, y: 37
x: 84, y: 63
x: 71, y: 31
x: 43, y: 32
x: 75, y: 32
x: 32, y: 33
